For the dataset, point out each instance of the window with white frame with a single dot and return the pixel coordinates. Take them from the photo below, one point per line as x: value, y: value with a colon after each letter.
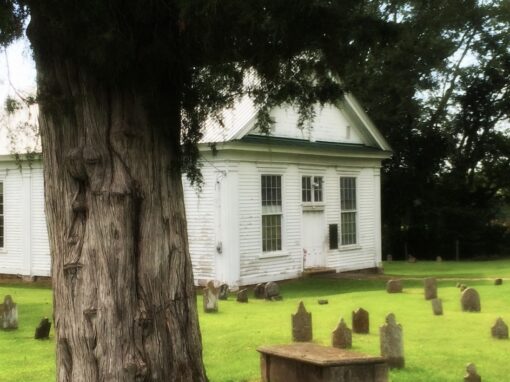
x: 1, y: 215
x: 348, y: 218
x: 271, y: 190
x: 311, y: 189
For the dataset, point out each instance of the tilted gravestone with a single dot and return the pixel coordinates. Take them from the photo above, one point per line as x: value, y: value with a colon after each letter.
x: 437, y: 306
x: 242, y: 295
x: 272, y: 291
x: 430, y: 288
x: 470, y: 300
x: 498, y: 282
x: 211, y: 294
x: 360, y: 321
x: 471, y: 374
x: 302, y: 325
x: 42, y: 332
x: 342, y: 336
x: 8, y: 314
x: 394, y: 286
x: 224, y: 292
x: 500, y: 329
x: 258, y: 292
x: 392, y: 343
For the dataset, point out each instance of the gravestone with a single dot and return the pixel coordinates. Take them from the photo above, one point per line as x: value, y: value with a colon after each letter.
x: 360, y: 321
x: 42, y: 332
x: 411, y: 259
x: 430, y: 287
x: 392, y: 343
x: 470, y: 300
x: 498, y: 281
x: 258, y: 292
x: 394, y: 286
x: 242, y: 295
x: 272, y: 291
x: 472, y: 375
x: 211, y: 294
x: 437, y: 306
x: 342, y: 336
x: 322, y: 302
x: 500, y: 329
x: 439, y: 259
x: 302, y: 325
x: 458, y: 285
x: 389, y: 258
x: 463, y: 287
x: 224, y: 292
x: 8, y: 314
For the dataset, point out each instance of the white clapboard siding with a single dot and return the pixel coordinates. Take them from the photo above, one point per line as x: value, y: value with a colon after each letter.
x: 329, y: 125
x: 200, y: 214
x: 40, y: 251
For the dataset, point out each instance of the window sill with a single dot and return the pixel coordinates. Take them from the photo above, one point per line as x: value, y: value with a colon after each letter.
x: 313, y: 207
x: 350, y: 247
x: 271, y: 255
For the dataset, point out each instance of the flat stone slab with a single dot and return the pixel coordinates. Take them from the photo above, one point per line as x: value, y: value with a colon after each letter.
x: 315, y: 363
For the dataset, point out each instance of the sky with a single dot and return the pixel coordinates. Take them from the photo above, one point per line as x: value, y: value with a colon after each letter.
x: 17, y: 75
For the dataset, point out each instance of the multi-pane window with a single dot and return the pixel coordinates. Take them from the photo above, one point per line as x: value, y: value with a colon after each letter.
x: 271, y: 190
x: 1, y: 215
x: 348, y: 210
x: 311, y: 189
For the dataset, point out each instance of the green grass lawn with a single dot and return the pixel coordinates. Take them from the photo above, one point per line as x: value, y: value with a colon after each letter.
x: 436, y: 347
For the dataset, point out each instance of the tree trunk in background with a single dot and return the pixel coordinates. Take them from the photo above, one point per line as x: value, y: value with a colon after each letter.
x: 124, y: 299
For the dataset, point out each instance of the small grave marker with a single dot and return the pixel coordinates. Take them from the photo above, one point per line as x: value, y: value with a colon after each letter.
x: 500, y: 329
x: 8, y: 314
x: 430, y: 287
x: 322, y: 302
x: 437, y: 306
x: 242, y: 295
x: 392, y: 343
x: 258, y: 292
x: 360, y: 321
x: 470, y: 300
x: 342, y: 336
x: 472, y: 375
x: 302, y: 325
x: 394, y: 286
x: 498, y: 282
x: 42, y: 332
x: 211, y: 298
x: 224, y: 289
x: 272, y: 291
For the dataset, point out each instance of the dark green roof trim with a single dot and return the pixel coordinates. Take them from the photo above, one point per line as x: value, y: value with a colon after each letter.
x: 279, y: 141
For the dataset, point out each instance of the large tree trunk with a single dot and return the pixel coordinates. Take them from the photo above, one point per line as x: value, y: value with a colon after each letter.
x: 124, y: 299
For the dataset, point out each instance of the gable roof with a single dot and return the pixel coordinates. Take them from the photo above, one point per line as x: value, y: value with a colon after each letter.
x: 239, y: 121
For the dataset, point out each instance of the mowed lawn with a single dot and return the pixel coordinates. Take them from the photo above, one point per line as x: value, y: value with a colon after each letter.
x: 437, y: 348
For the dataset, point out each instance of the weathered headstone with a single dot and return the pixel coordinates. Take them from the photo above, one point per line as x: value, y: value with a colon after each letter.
x: 392, y: 342
x: 500, y: 329
x: 360, y: 321
x: 8, y: 314
x: 470, y: 300
x: 389, y: 258
x: 411, y: 259
x: 224, y: 292
x: 430, y: 288
x: 322, y: 302
x: 302, y: 325
x: 211, y: 297
x: 439, y: 259
x: 271, y: 291
x: 42, y: 332
x: 258, y: 292
x: 242, y: 295
x: 341, y: 336
x: 394, y: 286
x: 458, y: 285
x: 437, y: 306
x: 498, y: 281
x: 463, y: 287
x: 472, y: 375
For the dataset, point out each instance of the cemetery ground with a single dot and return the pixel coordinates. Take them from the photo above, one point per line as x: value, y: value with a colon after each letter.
x: 436, y: 348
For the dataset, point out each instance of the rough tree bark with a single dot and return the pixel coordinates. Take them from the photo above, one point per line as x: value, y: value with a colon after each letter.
x: 124, y: 300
